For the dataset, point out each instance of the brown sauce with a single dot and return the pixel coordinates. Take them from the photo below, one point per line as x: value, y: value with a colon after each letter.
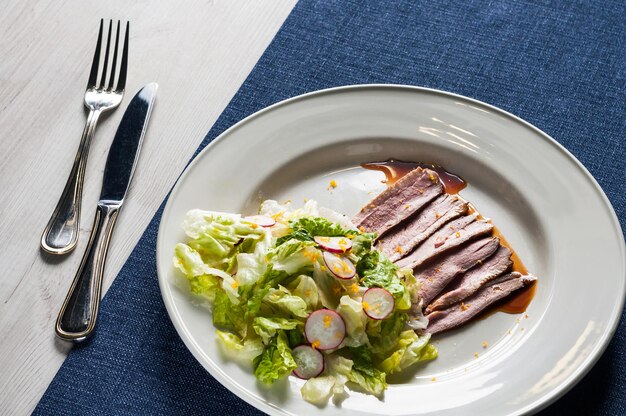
x: 519, y: 300
x: 396, y: 169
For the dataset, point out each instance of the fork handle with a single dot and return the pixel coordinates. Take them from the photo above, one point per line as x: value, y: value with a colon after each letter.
x: 61, y: 233
x: 77, y: 318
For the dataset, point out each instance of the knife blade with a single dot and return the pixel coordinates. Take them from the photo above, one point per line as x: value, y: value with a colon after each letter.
x: 126, y: 145
x: 78, y: 315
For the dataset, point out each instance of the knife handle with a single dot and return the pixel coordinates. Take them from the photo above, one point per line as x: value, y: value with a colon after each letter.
x: 77, y: 318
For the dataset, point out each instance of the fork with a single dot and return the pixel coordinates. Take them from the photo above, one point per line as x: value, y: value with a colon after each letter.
x: 61, y: 233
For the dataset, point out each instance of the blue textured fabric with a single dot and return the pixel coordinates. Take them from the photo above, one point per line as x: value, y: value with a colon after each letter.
x: 559, y: 65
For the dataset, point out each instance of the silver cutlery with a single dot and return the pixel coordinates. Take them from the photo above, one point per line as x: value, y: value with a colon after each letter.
x: 61, y: 233
x: 77, y: 318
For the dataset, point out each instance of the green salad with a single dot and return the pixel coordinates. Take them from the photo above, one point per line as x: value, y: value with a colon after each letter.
x: 303, y: 292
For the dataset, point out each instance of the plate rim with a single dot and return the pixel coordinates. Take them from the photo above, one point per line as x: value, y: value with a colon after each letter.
x: 542, y: 402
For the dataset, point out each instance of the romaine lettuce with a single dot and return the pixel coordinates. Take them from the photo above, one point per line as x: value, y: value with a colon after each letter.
x: 285, y: 302
x: 227, y: 315
x: 304, y: 287
x: 355, y: 319
x: 266, y: 328
x: 376, y: 270
x: 242, y: 351
x: 215, y: 234
x: 410, y: 349
x: 276, y: 360
x: 364, y: 373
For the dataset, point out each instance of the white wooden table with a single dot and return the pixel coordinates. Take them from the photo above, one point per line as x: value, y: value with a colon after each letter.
x: 199, y: 52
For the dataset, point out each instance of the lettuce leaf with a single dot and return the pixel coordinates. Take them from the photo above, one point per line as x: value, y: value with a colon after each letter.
x: 355, y: 319
x: 383, y: 334
x: 250, y: 268
x: 364, y: 373
x: 305, y: 228
x: 203, y: 280
x: 410, y: 349
x: 299, y: 235
x: 257, y: 293
x: 215, y: 234
x: 376, y: 270
x: 362, y: 244
x: 329, y: 289
x: 304, y: 287
x: 285, y: 302
x: 227, y: 315
x: 318, y: 390
x: 243, y: 351
x: 276, y: 361
x: 319, y: 227
x: 266, y: 328
x: 294, y: 256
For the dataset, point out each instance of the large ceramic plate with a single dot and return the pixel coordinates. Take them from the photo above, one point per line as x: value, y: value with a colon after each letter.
x: 542, y: 199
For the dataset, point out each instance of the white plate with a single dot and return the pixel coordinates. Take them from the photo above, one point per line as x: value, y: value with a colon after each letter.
x: 542, y: 199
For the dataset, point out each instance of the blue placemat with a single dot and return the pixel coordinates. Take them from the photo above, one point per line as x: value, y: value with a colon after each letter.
x: 559, y: 65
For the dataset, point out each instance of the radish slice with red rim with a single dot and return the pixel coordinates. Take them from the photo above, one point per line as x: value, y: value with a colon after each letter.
x: 324, y: 329
x: 340, y: 267
x: 378, y: 303
x: 262, y: 220
x: 309, y: 361
x: 334, y: 244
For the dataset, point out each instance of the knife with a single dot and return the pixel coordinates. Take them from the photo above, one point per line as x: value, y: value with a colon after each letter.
x: 77, y: 318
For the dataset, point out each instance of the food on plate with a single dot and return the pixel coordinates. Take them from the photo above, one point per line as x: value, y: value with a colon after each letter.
x: 343, y: 303
x: 305, y: 292
x: 437, y: 275
x: 398, y: 202
x: 461, y: 266
x: 493, y: 291
x: 405, y: 238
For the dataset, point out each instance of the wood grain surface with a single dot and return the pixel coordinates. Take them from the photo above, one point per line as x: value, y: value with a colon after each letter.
x: 198, y: 51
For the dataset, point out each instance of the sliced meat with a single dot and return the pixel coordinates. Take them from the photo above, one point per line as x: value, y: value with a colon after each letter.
x: 436, y: 276
x: 402, y: 239
x: 398, y: 202
x: 453, y: 234
x: 460, y: 313
x: 470, y: 282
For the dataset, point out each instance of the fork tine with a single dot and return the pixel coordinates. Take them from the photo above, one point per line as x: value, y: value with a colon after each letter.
x: 106, y: 58
x: 93, y: 75
x: 114, y: 64
x: 121, y: 80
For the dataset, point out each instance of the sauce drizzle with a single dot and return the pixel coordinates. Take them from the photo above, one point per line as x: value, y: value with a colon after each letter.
x: 396, y: 169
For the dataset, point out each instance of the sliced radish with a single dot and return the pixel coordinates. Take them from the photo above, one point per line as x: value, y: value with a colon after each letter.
x: 339, y: 266
x: 309, y: 360
x: 334, y: 244
x: 378, y: 303
x: 262, y: 220
x: 325, y: 329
